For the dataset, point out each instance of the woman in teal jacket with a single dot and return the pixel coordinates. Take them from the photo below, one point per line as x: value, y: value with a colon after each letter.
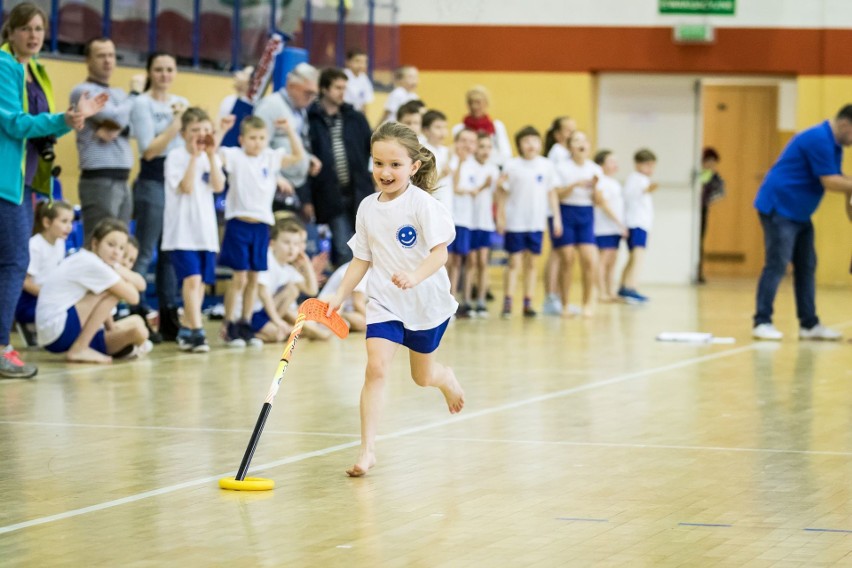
x: 23, y: 37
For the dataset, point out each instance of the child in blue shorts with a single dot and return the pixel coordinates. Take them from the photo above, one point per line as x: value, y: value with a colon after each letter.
x: 252, y: 176
x: 402, y: 232
x: 526, y: 194
x: 479, y: 176
x: 463, y: 195
x: 578, y: 193
x: 609, y: 223
x: 639, y: 216
x: 193, y: 173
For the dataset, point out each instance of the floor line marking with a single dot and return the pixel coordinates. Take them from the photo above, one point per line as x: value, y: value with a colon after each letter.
x: 810, y: 529
x: 176, y: 428
x: 582, y: 519
x: 400, y: 433
x: 637, y: 446
x: 704, y: 525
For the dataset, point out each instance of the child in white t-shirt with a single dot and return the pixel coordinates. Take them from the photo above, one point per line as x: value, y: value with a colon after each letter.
x: 638, y: 216
x: 411, y: 115
x: 193, y: 173
x: 435, y: 130
x: 53, y: 222
x: 406, y: 79
x: 252, y: 176
x: 359, y: 88
x: 609, y: 223
x: 525, y: 200
x: 479, y: 176
x: 290, y: 274
x: 464, y: 146
x: 556, y: 150
x: 577, y: 193
x: 75, y: 305
x: 402, y: 233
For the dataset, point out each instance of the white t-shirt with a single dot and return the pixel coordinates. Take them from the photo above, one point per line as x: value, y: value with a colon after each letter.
x: 334, y: 281
x: 275, y: 277
x: 396, y: 99
x: 396, y: 236
x: 253, y: 183
x: 638, y: 205
x: 81, y: 273
x: 444, y: 193
x: 44, y: 257
x: 611, y: 193
x: 472, y: 176
x: 570, y: 172
x: 462, y: 202
x: 528, y: 184
x: 189, y: 219
x: 359, y: 90
x: 558, y: 154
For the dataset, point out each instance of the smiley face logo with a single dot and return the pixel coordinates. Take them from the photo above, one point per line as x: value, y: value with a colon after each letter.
x: 407, y: 236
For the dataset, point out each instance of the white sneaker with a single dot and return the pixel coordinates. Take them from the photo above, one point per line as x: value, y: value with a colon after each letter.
x: 766, y: 331
x: 820, y: 332
x: 552, y: 305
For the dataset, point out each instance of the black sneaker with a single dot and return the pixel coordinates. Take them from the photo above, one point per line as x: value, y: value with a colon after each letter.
x: 198, y: 342
x: 28, y: 334
x: 184, y: 339
x: 530, y: 313
x: 247, y: 334
x: 231, y: 335
x: 463, y: 312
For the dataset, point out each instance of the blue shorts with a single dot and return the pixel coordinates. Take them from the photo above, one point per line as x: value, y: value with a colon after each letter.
x: 578, y: 226
x: 258, y: 320
x: 637, y: 238
x: 480, y: 239
x: 193, y: 263
x: 72, y: 332
x: 461, y: 244
x: 608, y: 241
x: 244, y: 246
x: 530, y: 240
x: 25, y: 310
x: 424, y: 341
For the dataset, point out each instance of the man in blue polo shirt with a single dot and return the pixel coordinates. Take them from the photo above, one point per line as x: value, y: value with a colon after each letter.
x: 789, y: 195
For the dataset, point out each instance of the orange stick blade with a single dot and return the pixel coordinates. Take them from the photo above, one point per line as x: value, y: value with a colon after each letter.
x: 315, y: 310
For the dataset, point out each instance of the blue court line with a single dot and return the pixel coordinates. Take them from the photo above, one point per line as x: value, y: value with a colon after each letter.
x: 703, y: 525
x: 828, y: 530
x: 582, y: 519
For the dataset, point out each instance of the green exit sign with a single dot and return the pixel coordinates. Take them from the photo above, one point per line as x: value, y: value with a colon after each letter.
x: 714, y: 7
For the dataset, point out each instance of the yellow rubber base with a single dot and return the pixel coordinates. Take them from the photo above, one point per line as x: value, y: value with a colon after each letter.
x: 247, y: 484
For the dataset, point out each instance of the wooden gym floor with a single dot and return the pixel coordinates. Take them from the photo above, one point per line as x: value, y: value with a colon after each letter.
x: 583, y: 443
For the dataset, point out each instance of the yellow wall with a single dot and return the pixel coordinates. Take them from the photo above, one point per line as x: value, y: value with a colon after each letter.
x: 203, y: 90
x: 820, y: 98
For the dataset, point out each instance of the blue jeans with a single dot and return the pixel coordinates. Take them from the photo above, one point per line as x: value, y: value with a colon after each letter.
x: 15, y: 228
x: 342, y: 228
x: 149, y: 200
x: 787, y: 241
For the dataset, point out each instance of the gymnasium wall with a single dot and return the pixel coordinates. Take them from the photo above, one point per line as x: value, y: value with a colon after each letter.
x: 540, y: 59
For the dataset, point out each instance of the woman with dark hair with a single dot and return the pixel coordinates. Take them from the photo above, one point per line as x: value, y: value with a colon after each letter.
x: 156, y: 122
x: 26, y: 113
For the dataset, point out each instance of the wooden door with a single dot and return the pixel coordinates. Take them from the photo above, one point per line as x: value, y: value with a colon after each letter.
x: 740, y: 122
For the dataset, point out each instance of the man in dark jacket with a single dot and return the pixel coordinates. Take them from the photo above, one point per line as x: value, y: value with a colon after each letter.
x: 340, y: 138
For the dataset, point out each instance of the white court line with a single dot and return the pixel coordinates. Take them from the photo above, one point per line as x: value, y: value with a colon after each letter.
x: 176, y: 428
x: 635, y: 446
x: 397, y: 434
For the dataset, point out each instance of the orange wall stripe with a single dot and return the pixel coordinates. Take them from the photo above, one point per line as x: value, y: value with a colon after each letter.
x: 584, y: 49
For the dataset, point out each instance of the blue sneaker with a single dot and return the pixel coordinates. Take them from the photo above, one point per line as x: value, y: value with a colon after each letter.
x: 184, y: 339
x: 631, y: 296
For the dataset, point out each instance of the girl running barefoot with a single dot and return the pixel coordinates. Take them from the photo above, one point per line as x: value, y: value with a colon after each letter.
x: 74, y: 311
x: 402, y: 233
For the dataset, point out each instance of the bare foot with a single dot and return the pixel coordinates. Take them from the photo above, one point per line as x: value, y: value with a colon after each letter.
x: 567, y: 313
x: 87, y: 355
x: 589, y: 311
x: 453, y: 393
x: 366, y: 460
